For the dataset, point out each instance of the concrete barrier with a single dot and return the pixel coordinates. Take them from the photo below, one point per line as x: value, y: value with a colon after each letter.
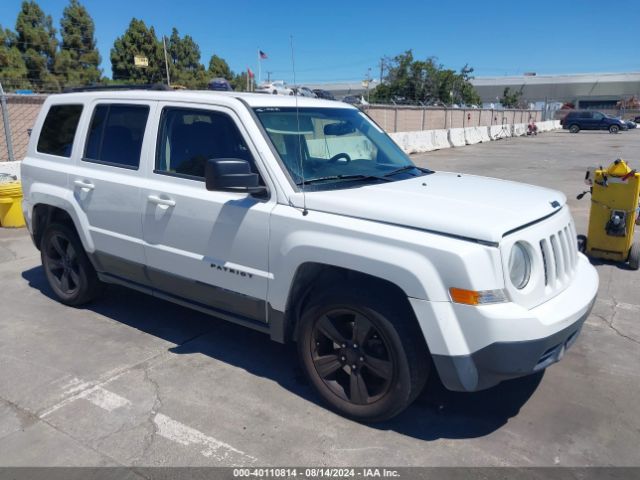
x: 472, y: 135
x: 496, y: 132
x: 12, y: 168
x: 545, y: 126
x: 556, y: 124
x: 456, y: 137
x: 440, y: 139
x: 519, y: 129
x: 484, y: 134
x: 414, y: 142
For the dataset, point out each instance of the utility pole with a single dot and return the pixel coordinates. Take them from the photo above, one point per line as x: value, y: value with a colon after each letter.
x: 166, y: 61
x: 269, y: 77
x: 381, y: 70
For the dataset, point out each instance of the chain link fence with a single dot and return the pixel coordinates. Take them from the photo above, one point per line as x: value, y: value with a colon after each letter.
x: 19, y: 113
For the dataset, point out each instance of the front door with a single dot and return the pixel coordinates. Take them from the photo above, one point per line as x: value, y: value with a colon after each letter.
x: 209, y: 248
x: 598, y: 121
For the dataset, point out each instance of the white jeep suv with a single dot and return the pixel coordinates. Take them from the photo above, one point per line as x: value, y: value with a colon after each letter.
x: 302, y: 219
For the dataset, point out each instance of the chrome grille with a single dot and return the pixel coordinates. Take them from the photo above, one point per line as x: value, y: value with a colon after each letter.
x: 559, y: 255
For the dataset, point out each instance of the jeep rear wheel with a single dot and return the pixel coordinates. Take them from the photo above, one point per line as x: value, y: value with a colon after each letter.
x: 67, y: 267
x: 574, y: 128
x: 365, y: 358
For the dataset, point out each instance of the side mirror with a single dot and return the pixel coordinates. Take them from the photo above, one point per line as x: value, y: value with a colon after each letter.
x: 231, y: 175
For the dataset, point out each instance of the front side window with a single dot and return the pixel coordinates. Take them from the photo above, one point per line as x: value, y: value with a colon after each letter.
x: 598, y: 116
x: 59, y: 130
x: 189, y: 137
x: 322, y: 146
x: 115, y: 135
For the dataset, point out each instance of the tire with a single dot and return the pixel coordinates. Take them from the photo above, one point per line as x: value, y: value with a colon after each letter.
x: 582, y: 243
x: 389, y: 366
x: 574, y: 128
x: 69, y: 272
x: 634, y: 256
x: 275, y: 92
x: 614, y: 129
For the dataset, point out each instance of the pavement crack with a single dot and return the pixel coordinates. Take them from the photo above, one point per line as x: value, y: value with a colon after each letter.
x: 610, y: 324
x: 79, y: 441
x: 152, y: 429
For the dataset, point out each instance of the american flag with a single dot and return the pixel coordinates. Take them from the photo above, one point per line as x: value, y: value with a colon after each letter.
x: 263, y: 56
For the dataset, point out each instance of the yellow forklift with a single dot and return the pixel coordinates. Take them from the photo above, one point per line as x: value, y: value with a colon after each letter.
x: 614, y: 214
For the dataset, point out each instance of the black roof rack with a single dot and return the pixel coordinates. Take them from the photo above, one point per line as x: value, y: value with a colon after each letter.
x: 98, y: 88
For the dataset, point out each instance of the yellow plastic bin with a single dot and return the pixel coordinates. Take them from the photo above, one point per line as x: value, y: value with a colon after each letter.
x: 10, y: 205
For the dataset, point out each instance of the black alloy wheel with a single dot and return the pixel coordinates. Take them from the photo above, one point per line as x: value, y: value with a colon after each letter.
x: 351, y: 356
x: 363, y: 350
x: 69, y: 272
x: 62, y: 264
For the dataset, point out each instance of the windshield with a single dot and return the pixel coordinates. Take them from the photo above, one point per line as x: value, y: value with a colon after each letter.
x: 324, y: 147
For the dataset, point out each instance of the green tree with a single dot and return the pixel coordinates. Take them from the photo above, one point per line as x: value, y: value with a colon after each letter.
x: 142, y: 41
x: 13, y: 70
x: 239, y: 82
x: 468, y: 93
x: 78, y: 60
x: 510, y: 99
x: 36, y: 41
x: 218, y: 67
x: 424, y: 81
x: 184, y: 61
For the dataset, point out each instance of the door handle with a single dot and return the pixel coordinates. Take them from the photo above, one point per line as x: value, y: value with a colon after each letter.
x: 84, y: 185
x: 165, y: 202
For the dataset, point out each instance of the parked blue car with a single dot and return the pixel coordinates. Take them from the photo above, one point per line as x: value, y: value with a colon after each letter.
x: 577, y: 120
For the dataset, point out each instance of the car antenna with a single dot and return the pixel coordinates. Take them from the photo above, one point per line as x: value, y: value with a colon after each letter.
x: 305, y: 212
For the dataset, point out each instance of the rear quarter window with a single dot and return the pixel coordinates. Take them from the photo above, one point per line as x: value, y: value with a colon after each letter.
x: 59, y: 130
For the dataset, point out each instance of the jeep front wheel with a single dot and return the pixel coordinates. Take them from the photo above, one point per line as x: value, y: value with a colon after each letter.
x: 362, y: 354
x: 67, y: 267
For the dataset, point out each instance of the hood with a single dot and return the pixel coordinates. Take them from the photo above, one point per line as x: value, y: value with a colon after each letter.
x: 468, y: 206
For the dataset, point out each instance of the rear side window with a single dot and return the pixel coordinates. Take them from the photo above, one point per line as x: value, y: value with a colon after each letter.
x: 115, y: 135
x: 59, y: 130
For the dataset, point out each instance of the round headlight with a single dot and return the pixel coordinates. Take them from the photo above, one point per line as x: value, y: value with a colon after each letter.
x: 519, y: 266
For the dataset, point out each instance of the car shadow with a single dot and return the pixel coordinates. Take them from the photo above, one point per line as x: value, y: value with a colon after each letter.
x: 436, y: 413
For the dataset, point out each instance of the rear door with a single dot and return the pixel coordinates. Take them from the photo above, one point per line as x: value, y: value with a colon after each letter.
x: 209, y: 248
x: 106, y: 184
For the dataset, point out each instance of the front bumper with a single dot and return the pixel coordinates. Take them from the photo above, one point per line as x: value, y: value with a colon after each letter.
x: 505, y: 360
x: 474, y: 348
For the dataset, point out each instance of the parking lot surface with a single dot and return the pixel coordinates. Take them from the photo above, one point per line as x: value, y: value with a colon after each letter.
x: 132, y: 380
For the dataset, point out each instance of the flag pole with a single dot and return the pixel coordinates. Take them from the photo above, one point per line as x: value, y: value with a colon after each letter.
x: 259, y: 68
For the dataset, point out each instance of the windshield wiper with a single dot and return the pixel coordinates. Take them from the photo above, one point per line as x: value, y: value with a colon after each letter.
x: 344, y: 177
x: 408, y: 167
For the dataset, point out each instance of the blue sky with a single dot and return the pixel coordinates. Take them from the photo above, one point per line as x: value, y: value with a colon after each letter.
x: 340, y: 40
